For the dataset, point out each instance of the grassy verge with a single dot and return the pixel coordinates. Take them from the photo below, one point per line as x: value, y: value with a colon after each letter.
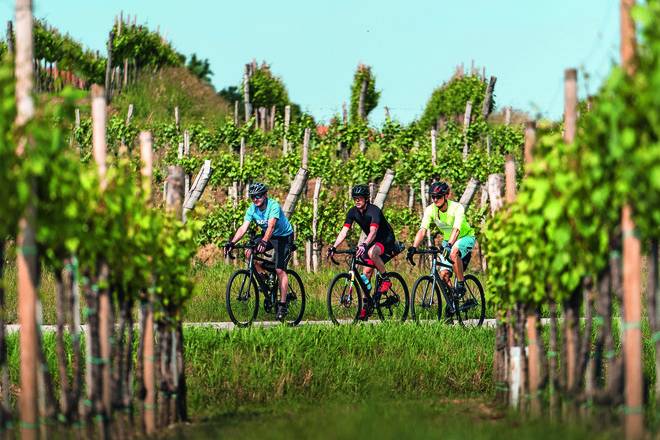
x: 229, y: 370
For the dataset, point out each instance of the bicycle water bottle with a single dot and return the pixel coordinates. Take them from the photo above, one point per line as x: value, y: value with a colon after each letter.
x: 366, y: 281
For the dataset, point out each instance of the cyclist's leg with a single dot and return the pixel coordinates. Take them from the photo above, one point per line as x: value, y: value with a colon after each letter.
x: 248, y: 252
x: 282, y: 251
x: 375, y: 253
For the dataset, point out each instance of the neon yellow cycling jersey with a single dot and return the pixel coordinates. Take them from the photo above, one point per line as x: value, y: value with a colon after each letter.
x: 447, y: 221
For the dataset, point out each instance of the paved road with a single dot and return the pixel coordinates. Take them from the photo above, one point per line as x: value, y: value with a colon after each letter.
x: 230, y: 326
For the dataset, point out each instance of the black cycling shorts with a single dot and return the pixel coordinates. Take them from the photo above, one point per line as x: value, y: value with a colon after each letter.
x: 282, y: 246
x: 387, y: 251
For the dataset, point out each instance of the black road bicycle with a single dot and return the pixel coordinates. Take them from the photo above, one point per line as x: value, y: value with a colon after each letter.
x: 345, y: 294
x: 427, y: 291
x: 245, y: 284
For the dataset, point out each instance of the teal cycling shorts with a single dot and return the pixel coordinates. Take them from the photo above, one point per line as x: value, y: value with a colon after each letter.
x: 465, y: 245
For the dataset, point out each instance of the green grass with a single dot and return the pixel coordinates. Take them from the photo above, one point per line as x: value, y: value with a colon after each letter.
x: 385, y: 419
x: 228, y: 370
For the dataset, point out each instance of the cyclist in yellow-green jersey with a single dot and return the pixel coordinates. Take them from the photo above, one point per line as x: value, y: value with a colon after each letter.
x: 458, y: 236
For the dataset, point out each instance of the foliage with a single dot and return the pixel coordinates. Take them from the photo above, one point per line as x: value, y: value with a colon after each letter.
x: 372, y: 95
x: 569, y: 208
x: 200, y: 68
x: 451, y: 98
x: 267, y: 90
x: 144, y: 48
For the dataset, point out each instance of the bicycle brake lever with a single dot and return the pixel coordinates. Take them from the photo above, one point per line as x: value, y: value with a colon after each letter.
x: 333, y: 260
x: 231, y: 257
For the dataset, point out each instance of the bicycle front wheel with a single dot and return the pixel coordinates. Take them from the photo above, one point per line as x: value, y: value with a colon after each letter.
x: 393, y: 304
x: 295, y: 299
x: 472, y: 306
x: 344, y: 300
x: 426, y: 300
x: 242, y: 298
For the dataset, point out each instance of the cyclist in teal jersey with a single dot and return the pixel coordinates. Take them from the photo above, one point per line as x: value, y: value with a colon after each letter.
x: 458, y: 236
x: 277, y: 234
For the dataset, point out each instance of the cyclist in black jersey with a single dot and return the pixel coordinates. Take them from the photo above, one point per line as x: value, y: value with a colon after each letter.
x: 379, y: 247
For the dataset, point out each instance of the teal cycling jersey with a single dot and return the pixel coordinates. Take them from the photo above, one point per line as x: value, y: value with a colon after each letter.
x: 273, y: 210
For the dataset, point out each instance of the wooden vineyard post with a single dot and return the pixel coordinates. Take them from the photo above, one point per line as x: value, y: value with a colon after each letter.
x: 300, y: 181
x: 514, y: 349
x: 466, y: 127
x: 485, y: 110
x: 533, y: 336
x: 434, y: 147
x: 387, y: 114
x: 380, y: 198
x: 148, y: 405
x: 168, y: 393
x: 246, y: 92
x: 9, y: 39
x: 362, y: 114
x: 571, y: 307
x: 186, y: 154
x: 363, y: 146
x: 316, y: 248
x: 108, y: 71
x: 105, y: 312
x: 197, y: 189
x: 496, y: 186
x: 469, y: 193
x: 287, y: 122
x: 423, y: 197
x: 632, y: 272
x: 27, y: 260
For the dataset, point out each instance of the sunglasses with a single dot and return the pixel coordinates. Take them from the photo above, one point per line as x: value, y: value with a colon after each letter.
x: 258, y: 197
x: 436, y: 197
x: 359, y: 198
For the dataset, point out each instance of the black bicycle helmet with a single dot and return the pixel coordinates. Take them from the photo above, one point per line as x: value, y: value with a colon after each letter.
x: 360, y: 191
x: 257, y: 189
x: 438, y: 189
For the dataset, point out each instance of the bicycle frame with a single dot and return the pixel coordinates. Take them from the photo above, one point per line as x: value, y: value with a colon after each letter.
x: 437, y: 280
x: 251, y: 267
x: 356, y: 278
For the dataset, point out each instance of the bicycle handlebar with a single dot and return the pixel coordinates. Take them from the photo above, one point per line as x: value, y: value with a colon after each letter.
x: 251, y: 246
x: 434, y: 251
x: 350, y: 251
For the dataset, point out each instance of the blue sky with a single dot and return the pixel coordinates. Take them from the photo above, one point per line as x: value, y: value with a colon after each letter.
x: 412, y: 46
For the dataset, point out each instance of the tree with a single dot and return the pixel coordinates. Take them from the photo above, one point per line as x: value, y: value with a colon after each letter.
x: 371, y: 97
x: 268, y: 90
x: 450, y: 99
x: 200, y: 68
x: 231, y: 94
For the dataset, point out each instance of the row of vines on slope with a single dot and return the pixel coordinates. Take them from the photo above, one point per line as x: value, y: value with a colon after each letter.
x: 560, y: 243
x: 82, y: 228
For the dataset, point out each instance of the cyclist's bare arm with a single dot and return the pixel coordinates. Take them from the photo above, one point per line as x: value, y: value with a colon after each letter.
x: 454, y: 236
x: 373, y: 230
x: 419, y: 237
x: 241, y: 231
x: 341, y: 237
x: 269, y: 231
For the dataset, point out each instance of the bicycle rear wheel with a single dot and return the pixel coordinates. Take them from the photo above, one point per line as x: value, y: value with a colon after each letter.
x: 393, y: 304
x: 425, y: 301
x: 344, y: 300
x: 295, y: 299
x: 472, y: 306
x: 242, y: 298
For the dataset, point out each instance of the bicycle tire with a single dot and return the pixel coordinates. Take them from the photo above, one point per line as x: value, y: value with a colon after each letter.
x: 341, y: 309
x: 472, y: 306
x: 394, y: 304
x: 295, y: 298
x: 424, y: 308
x: 242, y: 302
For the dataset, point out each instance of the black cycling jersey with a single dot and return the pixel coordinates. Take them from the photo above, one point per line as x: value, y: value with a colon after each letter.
x: 372, y: 216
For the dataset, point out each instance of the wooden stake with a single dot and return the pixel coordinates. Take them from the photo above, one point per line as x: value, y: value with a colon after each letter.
x: 485, y: 110
x: 466, y: 127
x: 294, y: 193
x: 387, y: 114
x: 27, y: 259
x: 316, y: 248
x: 197, y: 188
x: 109, y: 70
x: 434, y: 147
x: 305, y: 152
x: 287, y: 122
x: 570, y: 107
